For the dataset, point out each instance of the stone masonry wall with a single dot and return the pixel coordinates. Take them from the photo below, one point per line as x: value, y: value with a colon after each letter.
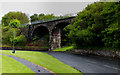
x: 106, y: 53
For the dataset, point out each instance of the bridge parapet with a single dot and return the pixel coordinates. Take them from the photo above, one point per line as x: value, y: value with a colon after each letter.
x: 47, y: 20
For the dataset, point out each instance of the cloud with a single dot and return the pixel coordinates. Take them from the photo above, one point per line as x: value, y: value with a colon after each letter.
x: 48, y: 0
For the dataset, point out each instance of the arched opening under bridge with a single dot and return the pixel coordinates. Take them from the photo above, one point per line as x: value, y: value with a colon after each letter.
x: 40, y: 37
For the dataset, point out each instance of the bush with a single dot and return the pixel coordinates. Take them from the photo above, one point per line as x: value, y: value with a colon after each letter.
x: 20, y: 40
x: 7, y: 35
x: 5, y: 28
x: 35, y: 38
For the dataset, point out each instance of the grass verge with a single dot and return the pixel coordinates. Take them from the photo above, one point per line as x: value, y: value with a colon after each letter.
x: 64, y: 48
x: 10, y: 65
x: 44, y: 60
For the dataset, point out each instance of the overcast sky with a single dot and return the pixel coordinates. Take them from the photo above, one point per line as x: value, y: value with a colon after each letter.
x: 57, y: 7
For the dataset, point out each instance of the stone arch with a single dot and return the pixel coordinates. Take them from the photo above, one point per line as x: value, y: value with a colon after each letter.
x: 36, y: 26
x: 41, y: 33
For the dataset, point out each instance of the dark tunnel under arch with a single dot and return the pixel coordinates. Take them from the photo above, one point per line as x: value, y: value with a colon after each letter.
x: 41, y: 36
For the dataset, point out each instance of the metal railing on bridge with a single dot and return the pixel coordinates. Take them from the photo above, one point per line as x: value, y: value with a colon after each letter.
x: 47, y: 20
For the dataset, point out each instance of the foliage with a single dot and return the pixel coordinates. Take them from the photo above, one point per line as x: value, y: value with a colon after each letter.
x: 112, y: 36
x: 22, y: 17
x: 50, y: 17
x: 65, y: 39
x: 34, y: 17
x: 109, y: 0
x: 7, y: 36
x: 5, y: 28
x: 35, y: 38
x: 9, y: 31
x: 41, y: 41
x: 43, y: 17
x: 97, y: 25
x: 14, y: 23
x: 37, y: 17
x: 20, y: 39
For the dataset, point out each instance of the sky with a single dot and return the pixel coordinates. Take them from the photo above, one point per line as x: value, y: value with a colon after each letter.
x: 56, y: 7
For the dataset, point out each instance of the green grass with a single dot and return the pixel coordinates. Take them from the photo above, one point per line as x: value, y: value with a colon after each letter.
x: 5, y: 45
x: 44, y: 60
x: 10, y: 65
x: 0, y: 64
x: 64, y: 48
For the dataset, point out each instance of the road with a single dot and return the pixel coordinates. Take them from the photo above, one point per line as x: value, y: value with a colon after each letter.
x: 89, y: 65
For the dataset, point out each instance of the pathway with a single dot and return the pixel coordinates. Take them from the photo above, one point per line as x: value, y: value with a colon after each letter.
x: 35, y: 68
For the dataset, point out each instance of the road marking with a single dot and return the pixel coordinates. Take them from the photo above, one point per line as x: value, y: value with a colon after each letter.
x: 91, y: 61
x: 112, y: 67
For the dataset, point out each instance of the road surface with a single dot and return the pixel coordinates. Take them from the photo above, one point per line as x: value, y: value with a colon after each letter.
x: 89, y: 65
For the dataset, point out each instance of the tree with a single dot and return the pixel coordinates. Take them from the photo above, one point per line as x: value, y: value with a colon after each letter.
x: 97, y: 25
x: 22, y: 17
x: 112, y: 36
x: 37, y: 17
x: 65, y: 39
x: 8, y: 32
x: 14, y: 23
x: 44, y: 17
x: 34, y: 17
x: 109, y: 0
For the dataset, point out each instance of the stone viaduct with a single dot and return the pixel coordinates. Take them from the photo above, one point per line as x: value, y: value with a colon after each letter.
x: 52, y: 28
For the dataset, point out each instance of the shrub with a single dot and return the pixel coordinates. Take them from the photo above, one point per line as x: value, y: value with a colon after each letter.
x: 19, y: 40
x: 5, y: 28
x: 8, y: 35
x: 35, y: 38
